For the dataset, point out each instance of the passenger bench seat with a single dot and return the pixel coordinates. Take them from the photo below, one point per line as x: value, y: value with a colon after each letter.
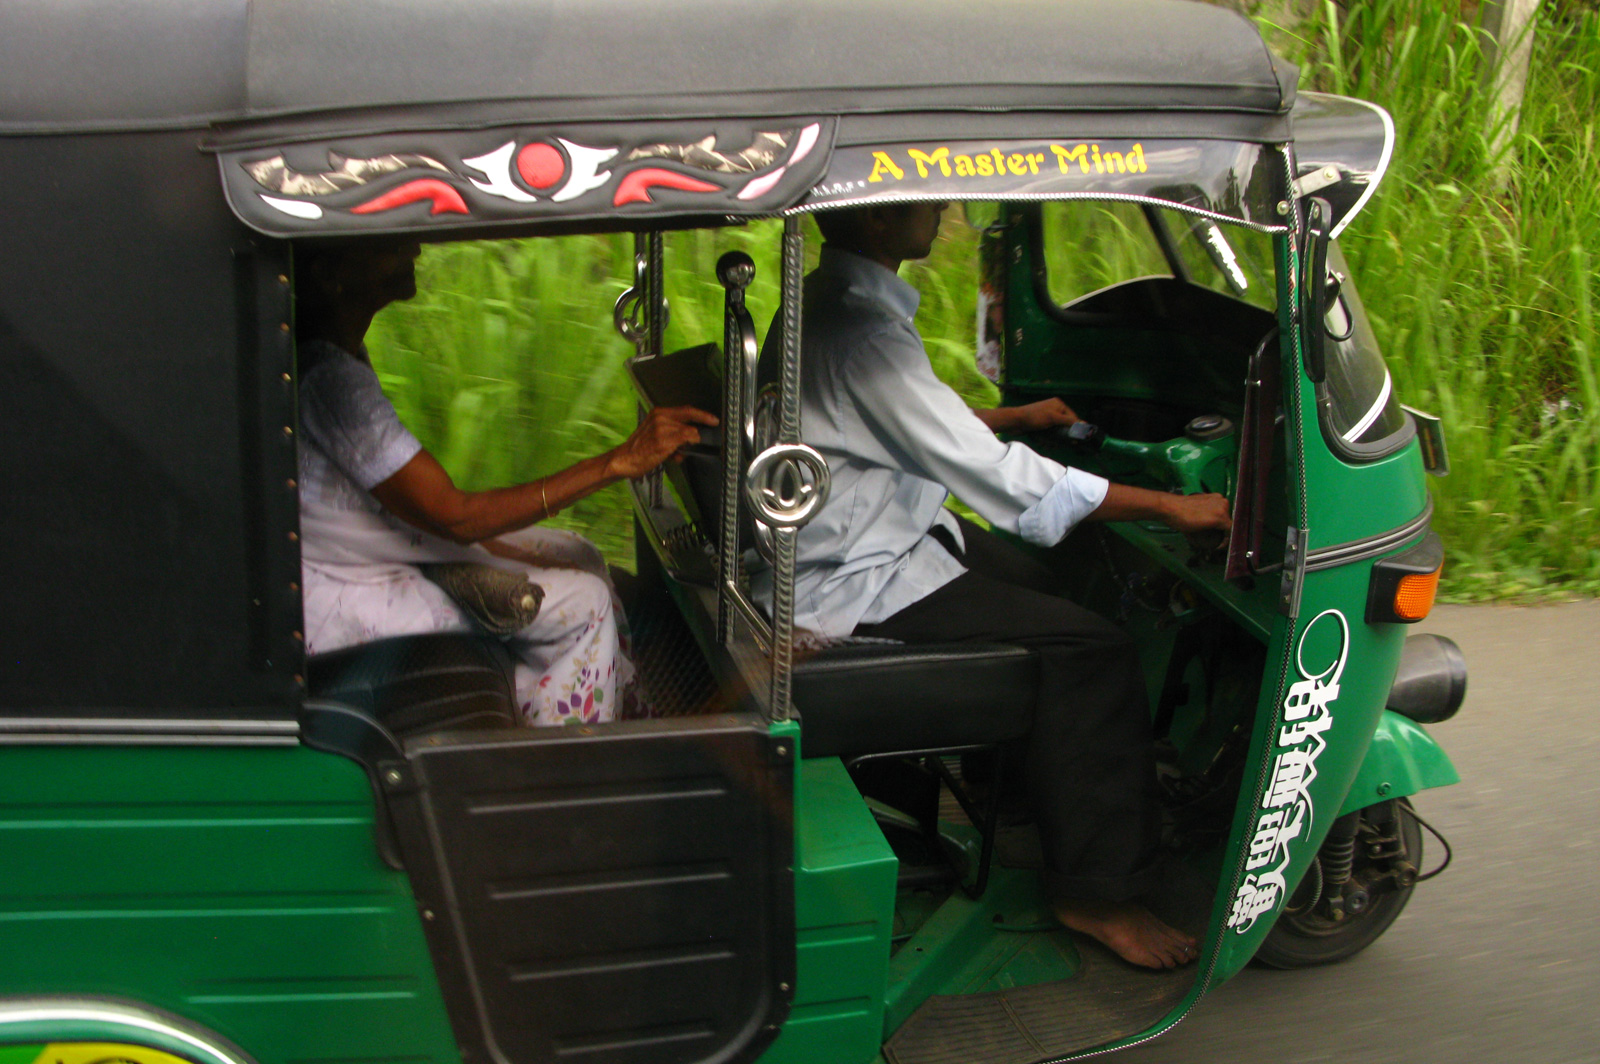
x: 416, y: 683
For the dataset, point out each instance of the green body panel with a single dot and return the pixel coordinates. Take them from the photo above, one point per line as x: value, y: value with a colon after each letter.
x: 239, y: 888
x: 844, y: 909
x: 1309, y: 744
x: 1315, y: 718
x: 1402, y: 760
x: 1314, y: 730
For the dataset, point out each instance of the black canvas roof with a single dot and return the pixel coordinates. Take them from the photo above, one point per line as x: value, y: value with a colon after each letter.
x: 314, y: 67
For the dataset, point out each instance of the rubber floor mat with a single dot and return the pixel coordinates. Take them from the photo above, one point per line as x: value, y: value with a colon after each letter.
x: 1108, y: 999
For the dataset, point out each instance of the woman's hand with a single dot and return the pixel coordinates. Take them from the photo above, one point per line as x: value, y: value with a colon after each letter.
x: 421, y: 493
x: 661, y: 435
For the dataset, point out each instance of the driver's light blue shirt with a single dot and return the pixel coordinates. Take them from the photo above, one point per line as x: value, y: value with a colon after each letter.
x: 898, y: 442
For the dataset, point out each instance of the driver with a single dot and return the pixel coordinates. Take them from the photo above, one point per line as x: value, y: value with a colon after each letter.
x: 885, y: 558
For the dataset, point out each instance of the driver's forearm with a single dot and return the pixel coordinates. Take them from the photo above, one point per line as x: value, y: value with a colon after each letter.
x: 999, y: 419
x: 1126, y: 503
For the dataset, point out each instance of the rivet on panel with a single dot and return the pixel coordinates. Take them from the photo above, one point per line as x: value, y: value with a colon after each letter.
x: 288, y: 430
x: 287, y: 378
x: 283, y: 278
x: 291, y: 484
x: 294, y: 537
x: 283, y: 326
x: 299, y: 637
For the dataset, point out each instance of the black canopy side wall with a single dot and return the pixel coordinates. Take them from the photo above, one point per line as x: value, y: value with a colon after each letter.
x: 147, y: 504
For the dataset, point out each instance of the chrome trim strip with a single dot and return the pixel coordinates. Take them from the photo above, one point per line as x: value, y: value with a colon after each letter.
x: 751, y: 616
x: 134, y: 731
x: 140, y: 739
x: 137, y: 1020
x: 153, y: 726
x: 1372, y: 413
x: 1361, y: 549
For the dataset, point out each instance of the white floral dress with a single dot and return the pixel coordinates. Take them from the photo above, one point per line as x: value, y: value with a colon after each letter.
x: 357, y: 561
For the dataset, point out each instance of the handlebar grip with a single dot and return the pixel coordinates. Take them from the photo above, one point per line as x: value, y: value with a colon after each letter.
x: 1081, y: 434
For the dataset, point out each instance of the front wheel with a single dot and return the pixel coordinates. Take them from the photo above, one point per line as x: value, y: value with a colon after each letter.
x: 1330, y: 918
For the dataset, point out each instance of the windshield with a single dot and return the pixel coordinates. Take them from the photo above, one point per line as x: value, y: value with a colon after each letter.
x: 1089, y: 246
x: 1360, y: 414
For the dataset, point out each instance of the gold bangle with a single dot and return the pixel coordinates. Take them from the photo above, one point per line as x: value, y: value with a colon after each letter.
x: 544, y: 500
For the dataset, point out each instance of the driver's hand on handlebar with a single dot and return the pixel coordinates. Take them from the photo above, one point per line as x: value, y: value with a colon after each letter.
x: 1197, y: 513
x: 664, y: 432
x: 1045, y: 414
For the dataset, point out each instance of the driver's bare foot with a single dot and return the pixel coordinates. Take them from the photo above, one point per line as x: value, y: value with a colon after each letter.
x: 1130, y: 931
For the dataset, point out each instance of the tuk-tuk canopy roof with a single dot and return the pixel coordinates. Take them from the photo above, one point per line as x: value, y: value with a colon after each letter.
x: 308, y: 69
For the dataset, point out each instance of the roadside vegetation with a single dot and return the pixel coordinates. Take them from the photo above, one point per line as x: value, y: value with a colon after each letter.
x: 1478, y: 272
x: 1481, y: 289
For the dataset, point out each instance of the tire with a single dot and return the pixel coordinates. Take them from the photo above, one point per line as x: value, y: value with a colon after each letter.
x: 1310, y: 936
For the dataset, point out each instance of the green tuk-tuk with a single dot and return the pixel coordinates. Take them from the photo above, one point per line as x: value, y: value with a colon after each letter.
x: 220, y: 852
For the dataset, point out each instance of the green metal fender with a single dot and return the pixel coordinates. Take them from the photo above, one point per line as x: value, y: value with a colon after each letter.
x: 1402, y: 760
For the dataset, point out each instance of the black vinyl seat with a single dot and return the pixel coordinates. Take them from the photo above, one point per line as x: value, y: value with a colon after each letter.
x: 858, y: 699
x: 415, y: 683
x: 872, y: 702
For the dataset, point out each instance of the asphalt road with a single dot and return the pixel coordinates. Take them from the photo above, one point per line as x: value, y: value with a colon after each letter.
x: 1498, y: 960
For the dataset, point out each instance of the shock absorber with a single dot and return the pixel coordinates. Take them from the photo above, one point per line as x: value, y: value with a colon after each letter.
x: 1338, y: 858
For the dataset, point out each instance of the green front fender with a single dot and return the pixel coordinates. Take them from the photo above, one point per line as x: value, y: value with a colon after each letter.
x: 1402, y: 760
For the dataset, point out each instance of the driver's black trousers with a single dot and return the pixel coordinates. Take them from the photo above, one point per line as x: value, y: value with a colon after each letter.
x: 1088, y: 766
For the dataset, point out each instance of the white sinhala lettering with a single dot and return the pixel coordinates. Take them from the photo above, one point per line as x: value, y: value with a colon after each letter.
x: 1286, y: 809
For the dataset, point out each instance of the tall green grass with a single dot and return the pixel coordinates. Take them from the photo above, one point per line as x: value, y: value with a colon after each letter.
x: 507, y: 366
x: 1481, y: 292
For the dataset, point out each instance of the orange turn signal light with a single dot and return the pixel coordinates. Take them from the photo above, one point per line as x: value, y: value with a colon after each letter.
x: 1403, y: 585
x: 1413, y: 599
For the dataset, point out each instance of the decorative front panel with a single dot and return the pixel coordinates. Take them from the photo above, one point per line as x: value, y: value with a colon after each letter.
x: 416, y: 182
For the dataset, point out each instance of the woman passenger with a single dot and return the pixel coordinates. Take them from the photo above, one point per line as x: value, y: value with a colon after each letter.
x: 374, y: 504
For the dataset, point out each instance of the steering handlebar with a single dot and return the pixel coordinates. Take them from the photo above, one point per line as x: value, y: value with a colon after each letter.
x: 1201, y: 460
